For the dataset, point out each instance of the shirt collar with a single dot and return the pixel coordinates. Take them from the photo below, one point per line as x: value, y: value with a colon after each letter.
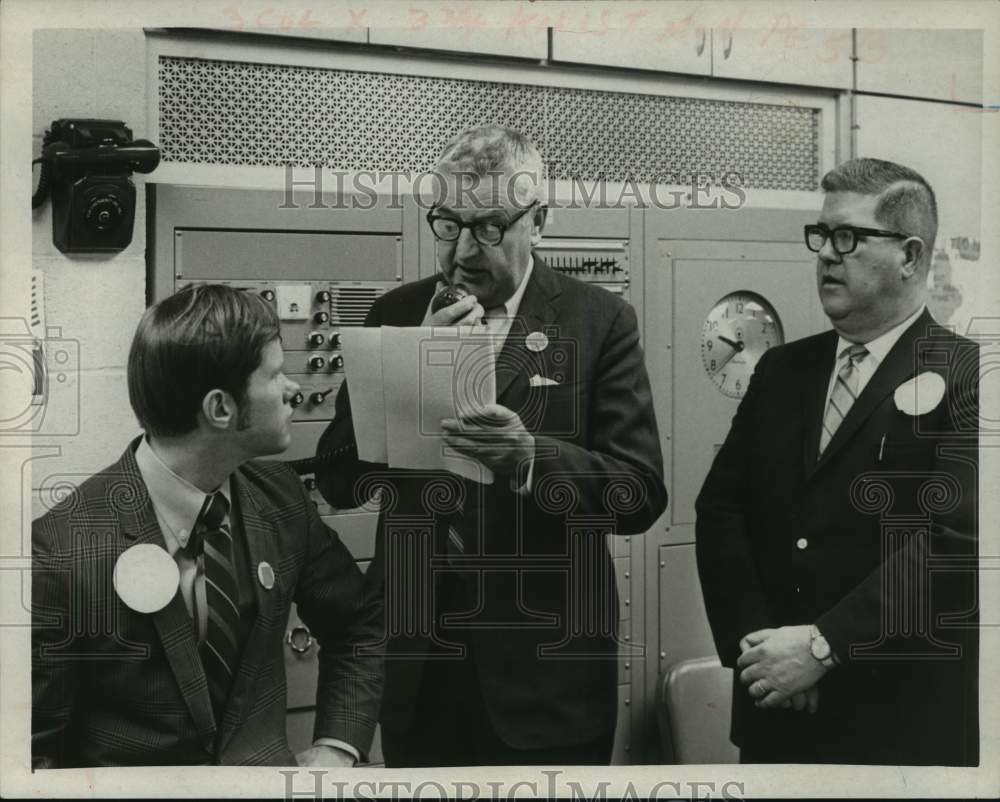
x: 881, y: 345
x: 513, y: 303
x: 177, y: 502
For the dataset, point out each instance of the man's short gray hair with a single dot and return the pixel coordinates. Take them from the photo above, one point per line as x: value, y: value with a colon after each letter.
x: 906, y: 201
x: 490, y: 151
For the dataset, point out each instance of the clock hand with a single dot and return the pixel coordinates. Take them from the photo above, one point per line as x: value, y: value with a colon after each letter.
x: 726, y: 361
x: 737, y: 344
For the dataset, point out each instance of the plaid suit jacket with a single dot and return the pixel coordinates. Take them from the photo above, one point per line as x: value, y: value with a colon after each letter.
x: 111, y: 686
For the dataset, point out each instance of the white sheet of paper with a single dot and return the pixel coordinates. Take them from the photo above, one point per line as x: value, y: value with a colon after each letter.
x: 363, y: 369
x: 430, y: 374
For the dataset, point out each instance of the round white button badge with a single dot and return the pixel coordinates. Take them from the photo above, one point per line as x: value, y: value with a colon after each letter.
x: 146, y: 578
x: 536, y: 341
x: 265, y: 575
x: 801, y: 543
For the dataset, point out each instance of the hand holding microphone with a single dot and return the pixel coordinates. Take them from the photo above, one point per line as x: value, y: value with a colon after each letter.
x: 454, y: 306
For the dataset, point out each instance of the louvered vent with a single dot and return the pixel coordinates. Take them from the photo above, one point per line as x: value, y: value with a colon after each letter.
x: 349, y: 305
x: 37, y: 328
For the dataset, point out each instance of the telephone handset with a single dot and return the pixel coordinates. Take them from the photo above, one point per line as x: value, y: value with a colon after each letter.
x: 72, y: 148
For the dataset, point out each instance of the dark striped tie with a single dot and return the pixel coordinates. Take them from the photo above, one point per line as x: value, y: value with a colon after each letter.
x: 492, y: 323
x: 845, y: 391
x: 220, y: 649
x: 456, y: 542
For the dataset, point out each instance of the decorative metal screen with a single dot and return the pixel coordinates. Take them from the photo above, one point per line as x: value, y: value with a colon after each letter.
x: 226, y: 112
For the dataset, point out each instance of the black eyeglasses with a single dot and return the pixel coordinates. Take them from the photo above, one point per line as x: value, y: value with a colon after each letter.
x: 485, y: 233
x: 844, y: 238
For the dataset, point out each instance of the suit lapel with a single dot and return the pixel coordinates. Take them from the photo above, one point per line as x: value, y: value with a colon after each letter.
x: 173, y: 623
x: 898, y: 366
x: 261, y: 538
x: 537, y: 310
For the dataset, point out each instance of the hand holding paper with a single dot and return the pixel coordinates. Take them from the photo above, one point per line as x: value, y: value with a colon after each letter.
x: 405, y: 381
x: 495, y: 437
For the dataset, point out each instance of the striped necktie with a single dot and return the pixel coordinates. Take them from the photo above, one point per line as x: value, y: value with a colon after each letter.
x: 456, y: 543
x: 493, y: 323
x: 495, y: 318
x: 845, y: 391
x: 220, y: 649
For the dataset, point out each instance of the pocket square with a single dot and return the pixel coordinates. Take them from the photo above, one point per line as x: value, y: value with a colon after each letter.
x: 542, y: 381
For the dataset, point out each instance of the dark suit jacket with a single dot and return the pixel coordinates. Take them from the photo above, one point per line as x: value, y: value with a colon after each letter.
x: 875, y: 542
x: 542, y: 602
x: 111, y: 686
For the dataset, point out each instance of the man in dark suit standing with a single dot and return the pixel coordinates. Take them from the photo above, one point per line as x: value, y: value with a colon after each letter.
x: 836, y: 531
x: 161, y: 587
x: 501, y: 601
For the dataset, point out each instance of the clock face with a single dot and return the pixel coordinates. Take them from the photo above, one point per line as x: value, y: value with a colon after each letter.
x: 736, y: 333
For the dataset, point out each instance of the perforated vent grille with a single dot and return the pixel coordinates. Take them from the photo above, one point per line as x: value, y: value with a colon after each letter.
x: 225, y: 112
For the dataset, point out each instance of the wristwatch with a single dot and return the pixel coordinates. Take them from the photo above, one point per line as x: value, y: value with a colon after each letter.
x: 820, y: 648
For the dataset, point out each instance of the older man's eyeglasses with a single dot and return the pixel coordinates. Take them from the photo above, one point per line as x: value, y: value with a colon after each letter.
x: 844, y: 238
x: 485, y: 232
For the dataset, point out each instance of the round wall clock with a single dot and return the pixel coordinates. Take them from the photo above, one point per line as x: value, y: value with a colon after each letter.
x: 736, y: 333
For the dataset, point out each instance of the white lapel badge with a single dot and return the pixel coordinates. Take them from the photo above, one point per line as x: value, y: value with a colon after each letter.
x: 921, y: 394
x: 265, y: 575
x: 146, y: 578
x: 536, y: 341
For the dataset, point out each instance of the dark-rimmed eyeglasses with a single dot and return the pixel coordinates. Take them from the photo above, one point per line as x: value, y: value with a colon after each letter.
x: 844, y: 238
x: 486, y: 232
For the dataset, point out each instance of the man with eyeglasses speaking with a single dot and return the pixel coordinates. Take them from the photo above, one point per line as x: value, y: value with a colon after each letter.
x: 508, y: 653
x: 840, y: 580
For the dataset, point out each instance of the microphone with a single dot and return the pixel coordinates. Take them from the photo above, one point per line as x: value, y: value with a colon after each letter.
x: 448, y: 296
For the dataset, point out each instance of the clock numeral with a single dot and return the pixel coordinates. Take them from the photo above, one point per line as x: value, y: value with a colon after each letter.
x: 737, y: 316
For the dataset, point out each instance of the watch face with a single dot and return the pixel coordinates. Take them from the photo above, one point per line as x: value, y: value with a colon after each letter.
x: 820, y: 648
x: 736, y: 333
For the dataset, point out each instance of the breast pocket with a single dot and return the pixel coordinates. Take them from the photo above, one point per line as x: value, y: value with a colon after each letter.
x: 903, y: 456
x: 556, y: 410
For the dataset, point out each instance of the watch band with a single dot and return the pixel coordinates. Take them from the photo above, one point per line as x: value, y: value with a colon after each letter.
x: 814, y: 634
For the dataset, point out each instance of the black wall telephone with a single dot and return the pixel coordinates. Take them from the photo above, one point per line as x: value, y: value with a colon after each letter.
x: 86, y: 166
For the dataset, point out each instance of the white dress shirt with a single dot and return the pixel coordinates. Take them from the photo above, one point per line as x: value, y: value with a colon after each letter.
x: 177, y: 504
x: 878, y: 349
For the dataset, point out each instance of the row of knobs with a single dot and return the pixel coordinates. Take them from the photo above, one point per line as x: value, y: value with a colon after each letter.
x: 316, y: 397
x: 317, y: 339
x: 319, y: 362
x: 322, y: 297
